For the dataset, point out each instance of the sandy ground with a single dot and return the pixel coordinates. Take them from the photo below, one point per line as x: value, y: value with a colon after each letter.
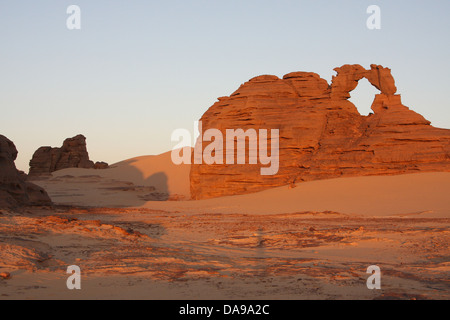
x: 419, y: 194
x: 135, y: 235
x: 129, y: 183
x: 147, y: 254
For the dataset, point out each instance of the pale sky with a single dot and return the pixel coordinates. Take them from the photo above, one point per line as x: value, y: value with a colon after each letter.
x: 137, y: 70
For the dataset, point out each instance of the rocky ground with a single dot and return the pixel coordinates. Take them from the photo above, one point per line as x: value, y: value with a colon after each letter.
x: 149, y: 254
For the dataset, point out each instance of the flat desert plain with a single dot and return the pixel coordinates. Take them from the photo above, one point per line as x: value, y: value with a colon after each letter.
x: 135, y: 234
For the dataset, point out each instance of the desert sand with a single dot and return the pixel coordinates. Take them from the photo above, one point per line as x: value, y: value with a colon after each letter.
x: 311, y: 241
x: 138, y: 182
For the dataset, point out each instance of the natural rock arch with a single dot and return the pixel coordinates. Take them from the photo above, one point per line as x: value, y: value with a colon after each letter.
x: 322, y: 134
x: 348, y: 76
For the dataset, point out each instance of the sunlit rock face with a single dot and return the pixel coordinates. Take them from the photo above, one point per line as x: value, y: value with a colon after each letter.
x: 14, y: 189
x: 321, y: 133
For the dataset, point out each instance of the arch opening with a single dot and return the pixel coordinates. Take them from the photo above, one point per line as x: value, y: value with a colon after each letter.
x: 363, y: 95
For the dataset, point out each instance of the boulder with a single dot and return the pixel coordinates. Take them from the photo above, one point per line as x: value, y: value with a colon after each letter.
x: 101, y: 165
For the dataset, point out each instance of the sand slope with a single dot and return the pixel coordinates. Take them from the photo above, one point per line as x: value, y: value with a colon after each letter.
x: 421, y: 194
x: 157, y: 171
x: 142, y: 181
x: 129, y: 183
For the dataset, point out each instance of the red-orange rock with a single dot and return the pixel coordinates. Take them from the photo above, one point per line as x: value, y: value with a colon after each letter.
x: 5, y: 275
x: 382, y: 79
x: 101, y: 165
x: 322, y: 135
x: 14, y: 189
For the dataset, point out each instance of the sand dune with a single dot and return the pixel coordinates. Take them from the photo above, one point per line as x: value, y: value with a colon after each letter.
x: 138, y: 182
x: 129, y: 183
x: 420, y: 194
x: 157, y: 171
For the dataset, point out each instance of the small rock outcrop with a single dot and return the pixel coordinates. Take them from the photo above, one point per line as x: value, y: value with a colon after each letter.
x: 14, y: 189
x: 101, y: 165
x: 322, y: 134
x: 72, y: 154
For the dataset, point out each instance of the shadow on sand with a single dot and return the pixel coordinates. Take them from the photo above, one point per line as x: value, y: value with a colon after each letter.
x: 141, y: 190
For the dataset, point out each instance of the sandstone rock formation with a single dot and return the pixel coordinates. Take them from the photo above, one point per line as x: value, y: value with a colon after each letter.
x: 72, y: 154
x: 101, y: 165
x: 14, y: 189
x: 322, y: 134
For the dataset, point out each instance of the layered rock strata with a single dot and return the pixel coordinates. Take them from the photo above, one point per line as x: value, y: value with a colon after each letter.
x: 322, y: 134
